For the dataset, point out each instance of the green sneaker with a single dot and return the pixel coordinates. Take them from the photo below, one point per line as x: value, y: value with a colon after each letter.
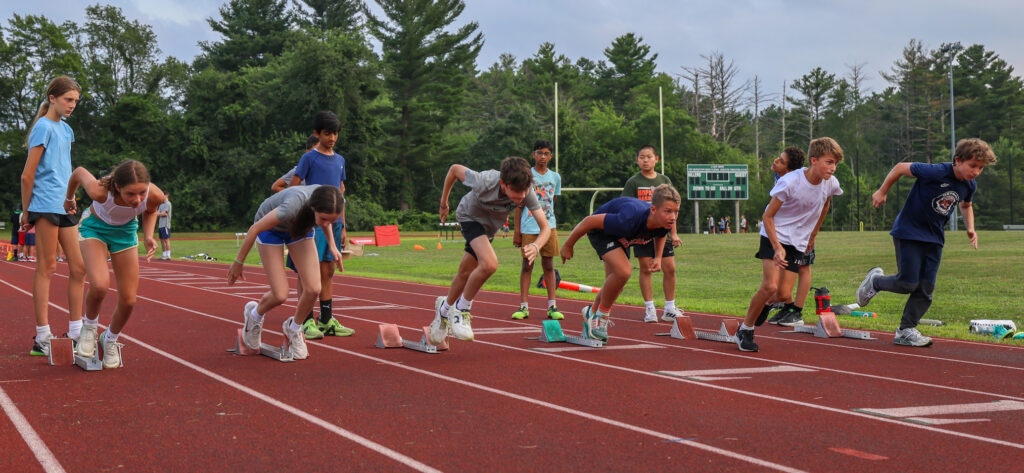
x: 553, y: 313
x: 522, y: 313
x: 310, y: 330
x: 335, y: 329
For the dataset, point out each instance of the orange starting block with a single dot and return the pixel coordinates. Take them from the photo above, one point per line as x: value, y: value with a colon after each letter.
x: 281, y: 353
x: 828, y: 327
x: 682, y: 328
x: 388, y: 337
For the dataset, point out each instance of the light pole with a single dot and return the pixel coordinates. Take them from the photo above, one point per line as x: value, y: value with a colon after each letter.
x: 952, y: 49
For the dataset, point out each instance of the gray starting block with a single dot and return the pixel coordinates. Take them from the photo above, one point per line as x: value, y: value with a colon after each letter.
x: 388, y: 337
x: 682, y: 328
x: 62, y: 353
x: 551, y: 332
x: 280, y: 353
x: 828, y: 327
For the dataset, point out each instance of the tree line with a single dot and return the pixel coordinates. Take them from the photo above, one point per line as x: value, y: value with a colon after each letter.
x: 218, y: 131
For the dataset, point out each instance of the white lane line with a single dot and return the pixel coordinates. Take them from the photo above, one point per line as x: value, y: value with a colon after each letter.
x: 36, y: 444
x: 638, y: 346
x: 708, y: 375
x: 917, y: 413
x: 33, y: 440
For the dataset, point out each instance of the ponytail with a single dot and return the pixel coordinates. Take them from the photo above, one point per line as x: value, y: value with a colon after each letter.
x: 60, y: 85
x: 324, y: 199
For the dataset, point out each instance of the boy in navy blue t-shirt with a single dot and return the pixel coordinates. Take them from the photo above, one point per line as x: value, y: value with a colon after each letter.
x: 615, y: 226
x: 918, y: 233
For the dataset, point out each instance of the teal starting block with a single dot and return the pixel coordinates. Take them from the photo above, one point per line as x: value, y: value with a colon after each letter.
x: 551, y: 332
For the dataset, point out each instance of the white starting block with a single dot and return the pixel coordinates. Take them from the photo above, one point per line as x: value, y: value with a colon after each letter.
x: 551, y: 332
x: 388, y: 337
x: 828, y: 327
x: 62, y: 353
x: 682, y: 328
x: 280, y: 353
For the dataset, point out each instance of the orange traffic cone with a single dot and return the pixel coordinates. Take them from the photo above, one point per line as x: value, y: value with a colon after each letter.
x: 418, y: 247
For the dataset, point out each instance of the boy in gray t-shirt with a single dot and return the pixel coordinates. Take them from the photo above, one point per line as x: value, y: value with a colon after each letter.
x: 481, y: 213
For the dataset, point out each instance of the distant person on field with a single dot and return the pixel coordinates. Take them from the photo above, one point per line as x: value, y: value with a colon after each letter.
x: 728, y: 224
x: 799, y: 205
x: 641, y: 186
x: 492, y: 196
x: 614, y: 227
x: 547, y: 185
x: 284, y: 181
x: 164, y: 227
x: 743, y: 224
x: 711, y: 224
x: 918, y: 233
x: 321, y: 165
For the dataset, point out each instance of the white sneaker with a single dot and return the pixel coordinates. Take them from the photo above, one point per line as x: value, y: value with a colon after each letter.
x: 670, y: 314
x: 252, y: 333
x: 650, y: 315
x: 111, y: 354
x: 867, y: 290
x: 439, y: 326
x: 296, y: 340
x: 911, y: 337
x: 87, y: 341
x: 460, y: 323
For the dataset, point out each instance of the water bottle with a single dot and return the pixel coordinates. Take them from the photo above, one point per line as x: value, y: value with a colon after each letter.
x: 822, y: 300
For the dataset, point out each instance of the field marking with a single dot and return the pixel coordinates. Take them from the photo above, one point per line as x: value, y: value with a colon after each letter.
x: 398, y: 456
x: 29, y: 435
x: 918, y: 413
x: 290, y: 409
x: 639, y: 346
x: 505, y: 330
x: 724, y: 374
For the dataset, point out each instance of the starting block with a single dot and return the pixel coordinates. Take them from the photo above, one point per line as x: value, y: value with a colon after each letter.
x: 62, y: 353
x: 551, y: 332
x: 280, y: 353
x: 828, y: 327
x: 682, y: 328
x: 388, y: 337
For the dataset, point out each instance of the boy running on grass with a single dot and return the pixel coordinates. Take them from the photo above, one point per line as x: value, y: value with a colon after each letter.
x: 641, y: 186
x: 614, y: 227
x: 918, y: 232
x: 481, y: 213
x: 800, y: 202
x: 546, y: 184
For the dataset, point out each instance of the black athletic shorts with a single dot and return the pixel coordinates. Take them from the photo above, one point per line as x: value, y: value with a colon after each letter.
x: 647, y: 251
x: 60, y: 220
x: 603, y: 243
x: 470, y: 231
x: 793, y: 257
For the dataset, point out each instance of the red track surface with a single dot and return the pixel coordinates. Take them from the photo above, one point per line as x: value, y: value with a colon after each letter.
x: 498, y: 404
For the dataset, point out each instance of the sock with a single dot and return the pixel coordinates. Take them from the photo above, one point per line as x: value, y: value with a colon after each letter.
x: 110, y: 337
x: 255, y: 316
x: 603, y: 311
x: 797, y: 309
x: 648, y: 305
x: 525, y: 306
x: 463, y: 305
x: 43, y: 333
x: 444, y: 308
x: 789, y: 305
x: 91, y: 322
x: 294, y: 326
x: 551, y: 303
x: 325, y: 311
x: 74, y: 328
x: 309, y: 316
x: 744, y: 326
x: 669, y: 305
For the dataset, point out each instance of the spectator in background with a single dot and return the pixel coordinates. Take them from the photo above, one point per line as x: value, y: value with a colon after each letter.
x: 163, y: 224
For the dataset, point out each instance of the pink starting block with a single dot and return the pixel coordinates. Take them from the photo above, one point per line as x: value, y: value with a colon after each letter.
x: 281, y: 353
x: 388, y: 337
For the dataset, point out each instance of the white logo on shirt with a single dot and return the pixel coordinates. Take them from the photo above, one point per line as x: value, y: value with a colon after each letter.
x: 944, y: 203
x: 944, y: 184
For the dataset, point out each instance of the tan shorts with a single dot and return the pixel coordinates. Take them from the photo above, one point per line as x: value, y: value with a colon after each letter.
x: 550, y: 249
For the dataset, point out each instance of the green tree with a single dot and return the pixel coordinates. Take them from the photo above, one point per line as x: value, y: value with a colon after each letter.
x: 815, y: 86
x: 253, y: 31
x: 630, y: 64
x: 345, y: 15
x: 120, y: 55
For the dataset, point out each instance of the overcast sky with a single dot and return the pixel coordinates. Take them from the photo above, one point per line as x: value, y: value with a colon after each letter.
x: 778, y: 40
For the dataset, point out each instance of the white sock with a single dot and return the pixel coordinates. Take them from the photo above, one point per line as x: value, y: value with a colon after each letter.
x: 601, y: 314
x: 43, y: 333
x: 444, y: 308
x: 74, y: 328
x: 669, y: 305
x: 744, y: 326
x: 463, y: 304
x: 551, y: 303
x: 294, y: 326
x: 649, y: 305
x: 525, y: 306
x: 255, y: 316
x: 88, y: 322
x: 110, y: 337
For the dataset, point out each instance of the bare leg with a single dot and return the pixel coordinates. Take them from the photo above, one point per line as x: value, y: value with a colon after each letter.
x: 768, y: 290
x: 617, y: 270
x: 126, y: 271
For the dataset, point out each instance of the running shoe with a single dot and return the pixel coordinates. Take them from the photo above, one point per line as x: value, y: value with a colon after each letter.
x: 251, y: 334
x: 40, y: 348
x: 334, y: 328
x: 589, y: 324
x: 650, y: 315
x: 461, y: 323
x: 554, y: 314
x: 87, y: 340
x: 745, y: 340
x: 522, y: 313
x: 296, y: 341
x: 792, y: 318
x: 774, y: 320
x: 911, y: 337
x: 111, y: 354
x: 867, y: 287
x: 668, y: 315
x: 310, y: 330
x: 439, y: 326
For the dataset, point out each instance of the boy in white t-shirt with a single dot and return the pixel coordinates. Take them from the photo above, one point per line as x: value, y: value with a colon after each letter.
x: 800, y: 202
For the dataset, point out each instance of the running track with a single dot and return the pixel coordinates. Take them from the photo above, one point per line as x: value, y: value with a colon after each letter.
x: 643, y: 403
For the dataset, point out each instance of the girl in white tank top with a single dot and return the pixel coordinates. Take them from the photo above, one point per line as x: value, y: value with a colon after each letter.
x: 110, y: 227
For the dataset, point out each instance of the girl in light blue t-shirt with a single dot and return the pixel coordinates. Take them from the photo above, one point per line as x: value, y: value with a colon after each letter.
x: 44, y: 185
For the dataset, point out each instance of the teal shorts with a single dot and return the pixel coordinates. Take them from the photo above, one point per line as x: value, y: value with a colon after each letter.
x: 117, y: 238
x: 323, y: 250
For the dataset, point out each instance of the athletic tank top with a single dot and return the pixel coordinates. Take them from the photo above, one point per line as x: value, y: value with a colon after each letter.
x: 116, y: 215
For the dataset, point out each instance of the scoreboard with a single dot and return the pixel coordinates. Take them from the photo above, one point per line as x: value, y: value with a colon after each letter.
x: 716, y: 181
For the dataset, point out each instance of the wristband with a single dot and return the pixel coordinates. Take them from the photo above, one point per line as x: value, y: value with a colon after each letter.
x: 239, y: 262
x: 70, y: 200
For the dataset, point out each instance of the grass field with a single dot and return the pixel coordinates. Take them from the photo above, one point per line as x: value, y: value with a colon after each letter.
x: 718, y: 273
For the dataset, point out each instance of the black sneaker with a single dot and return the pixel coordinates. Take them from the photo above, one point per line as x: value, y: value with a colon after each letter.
x: 745, y: 340
x: 791, y: 318
x: 764, y: 315
x: 781, y: 314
